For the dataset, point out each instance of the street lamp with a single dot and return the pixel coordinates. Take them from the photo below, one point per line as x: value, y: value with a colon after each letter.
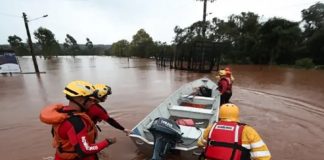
x: 30, y: 43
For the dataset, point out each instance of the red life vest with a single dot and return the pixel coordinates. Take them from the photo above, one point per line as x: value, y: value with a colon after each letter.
x: 225, y: 142
x: 229, y: 82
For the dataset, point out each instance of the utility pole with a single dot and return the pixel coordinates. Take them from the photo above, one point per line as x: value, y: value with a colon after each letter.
x: 202, y: 63
x: 204, y: 19
x: 30, y: 43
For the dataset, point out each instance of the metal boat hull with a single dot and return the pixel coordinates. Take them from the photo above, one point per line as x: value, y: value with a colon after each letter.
x: 171, y: 108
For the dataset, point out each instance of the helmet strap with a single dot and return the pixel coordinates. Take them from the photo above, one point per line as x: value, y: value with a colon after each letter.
x: 103, y: 98
x: 77, y: 103
x: 85, y: 102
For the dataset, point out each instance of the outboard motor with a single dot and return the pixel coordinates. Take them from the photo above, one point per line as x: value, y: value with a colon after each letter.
x: 166, y: 134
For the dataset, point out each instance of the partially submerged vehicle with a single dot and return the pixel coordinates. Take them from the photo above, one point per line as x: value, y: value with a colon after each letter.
x: 179, y: 121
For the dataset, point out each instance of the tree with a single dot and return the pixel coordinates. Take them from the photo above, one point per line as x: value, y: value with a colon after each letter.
x: 89, y: 44
x: 46, y: 39
x: 314, y: 32
x: 279, y: 37
x: 71, y: 46
x: 17, y: 45
x: 191, y: 34
x: 178, y: 39
x: 316, y: 47
x: 239, y: 34
x: 120, y: 48
x: 314, y: 18
x: 245, y: 36
x: 141, y: 45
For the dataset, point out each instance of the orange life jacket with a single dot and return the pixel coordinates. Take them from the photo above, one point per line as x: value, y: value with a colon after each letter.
x: 54, y: 116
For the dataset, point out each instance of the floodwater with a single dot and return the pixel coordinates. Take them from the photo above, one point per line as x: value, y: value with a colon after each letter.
x: 284, y: 105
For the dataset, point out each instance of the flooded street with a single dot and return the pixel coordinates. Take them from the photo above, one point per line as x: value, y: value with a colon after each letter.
x: 284, y: 105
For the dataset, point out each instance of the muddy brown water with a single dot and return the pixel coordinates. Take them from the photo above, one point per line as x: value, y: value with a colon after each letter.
x: 284, y: 105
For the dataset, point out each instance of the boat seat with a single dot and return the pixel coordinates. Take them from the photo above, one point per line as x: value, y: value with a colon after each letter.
x: 191, y: 109
x: 191, y: 132
x: 199, y: 97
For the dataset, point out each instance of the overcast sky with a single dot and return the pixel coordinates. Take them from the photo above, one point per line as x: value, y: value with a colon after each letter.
x: 107, y: 21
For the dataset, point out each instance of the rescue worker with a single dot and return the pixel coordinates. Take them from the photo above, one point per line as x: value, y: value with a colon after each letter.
x: 228, y: 139
x: 97, y: 113
x: 229, y: 74
x: 73, y: 131
x: 224, y: 87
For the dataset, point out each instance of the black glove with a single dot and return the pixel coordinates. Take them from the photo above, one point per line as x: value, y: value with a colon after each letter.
x: 111, y: 140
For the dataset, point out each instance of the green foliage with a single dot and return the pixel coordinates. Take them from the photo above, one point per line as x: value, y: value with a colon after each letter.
x: 89, y: 44
x: 280, y: 37
x: 314, y: 32
x: 17, y: 45
x: 276, y: 41
x: 315, y: 45
x: 47, y: 46
x: 313, y: 17
x: 120, y: 49
x: 71, y: 46
x: 304, y: 63
x: 141, y: 45
x: 46, y: 39
x: 89, y: 48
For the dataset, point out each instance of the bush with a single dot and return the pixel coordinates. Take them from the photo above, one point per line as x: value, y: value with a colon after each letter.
x: 304, y: 63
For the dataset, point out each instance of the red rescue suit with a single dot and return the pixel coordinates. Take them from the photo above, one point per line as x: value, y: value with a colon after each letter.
x: 73, y: 133
x: 225, y: 89
x: 225, y: 85
x: 225, y: 142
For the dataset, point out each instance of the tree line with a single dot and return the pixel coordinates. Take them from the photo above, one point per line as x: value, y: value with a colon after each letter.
x: 240, y: 39
x: 47, y: 46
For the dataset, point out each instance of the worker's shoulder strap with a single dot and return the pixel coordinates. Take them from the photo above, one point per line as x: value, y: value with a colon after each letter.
x: 69, y: 112
x: 234, y: 145
x: 74, y: 119
x: 77, y: 122
x: 241, y: 124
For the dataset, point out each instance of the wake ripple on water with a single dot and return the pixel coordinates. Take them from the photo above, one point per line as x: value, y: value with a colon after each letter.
x: 48, y: 158
x: 297, y: 103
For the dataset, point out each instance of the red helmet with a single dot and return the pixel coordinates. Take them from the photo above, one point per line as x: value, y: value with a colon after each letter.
x: 228, y: 71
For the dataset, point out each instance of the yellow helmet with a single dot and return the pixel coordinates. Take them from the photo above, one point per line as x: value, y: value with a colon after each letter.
x: 102, y: 90
x: 229, y: 112
x: 222, y: 73
x: 79, y: 89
